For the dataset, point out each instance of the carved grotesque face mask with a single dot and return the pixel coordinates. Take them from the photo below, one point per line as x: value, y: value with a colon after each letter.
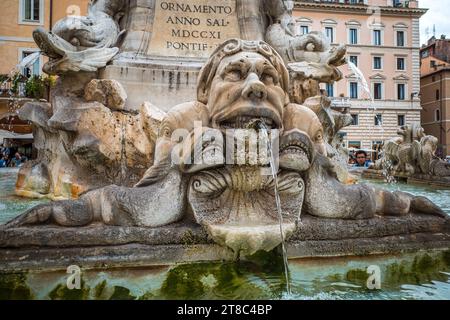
x: 246, y: 87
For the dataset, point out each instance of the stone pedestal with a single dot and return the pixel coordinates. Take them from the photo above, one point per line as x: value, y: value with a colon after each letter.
x: 163, y: 83
x: 166, y: 44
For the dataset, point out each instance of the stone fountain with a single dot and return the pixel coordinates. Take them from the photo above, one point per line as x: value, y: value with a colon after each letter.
x: 411, y: 157
x: 184, y: 175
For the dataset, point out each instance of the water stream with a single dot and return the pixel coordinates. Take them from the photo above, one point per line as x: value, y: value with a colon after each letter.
x: 274, y: 172
x: 361, y: 79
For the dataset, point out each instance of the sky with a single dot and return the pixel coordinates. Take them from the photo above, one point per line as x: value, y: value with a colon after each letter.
x: 438, y: 15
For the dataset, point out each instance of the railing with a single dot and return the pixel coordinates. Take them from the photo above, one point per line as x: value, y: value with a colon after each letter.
x: 9, y: 89
x: 6, y: 90
x: 340, y: 103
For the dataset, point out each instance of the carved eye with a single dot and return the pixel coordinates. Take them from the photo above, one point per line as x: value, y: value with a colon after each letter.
x: 319, y: 137
x: 233, y: 75
x: 269, y: 78
x: 310, y: 47
x: 166, y: 132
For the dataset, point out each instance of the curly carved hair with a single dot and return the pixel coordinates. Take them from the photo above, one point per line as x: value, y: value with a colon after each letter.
x: 232, y: 47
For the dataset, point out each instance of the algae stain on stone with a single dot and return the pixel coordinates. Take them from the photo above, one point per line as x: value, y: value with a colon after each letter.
x: 122, y: 293
x: 446, y: 257
x: 14, y: 287
x: 218, y: 281
x: 99, y: 290
x: 61, y: 292
x: 358, y: 276
x: 183, y: 282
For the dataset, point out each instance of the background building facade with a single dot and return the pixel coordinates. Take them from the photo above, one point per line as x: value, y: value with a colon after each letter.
x: 383, y: 40
x: 435, y: 91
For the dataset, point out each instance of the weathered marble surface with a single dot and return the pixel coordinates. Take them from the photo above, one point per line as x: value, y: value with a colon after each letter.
x: 86, y: 139
x: 92, y: 136
x: 243, y: 87
x: 52, y: 247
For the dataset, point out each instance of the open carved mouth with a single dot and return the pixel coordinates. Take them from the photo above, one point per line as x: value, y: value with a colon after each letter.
x: 247, y: 117
x: 296, y: 147
x: 296, y: 151
x: 246, y: 122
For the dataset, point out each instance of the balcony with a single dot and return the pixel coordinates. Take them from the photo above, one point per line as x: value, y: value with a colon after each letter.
x: 341, y: 104
x: 12, y: 87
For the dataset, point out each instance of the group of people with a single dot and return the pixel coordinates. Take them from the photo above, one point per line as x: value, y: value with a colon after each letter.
x: 360, y: 159
x: 6, y: 160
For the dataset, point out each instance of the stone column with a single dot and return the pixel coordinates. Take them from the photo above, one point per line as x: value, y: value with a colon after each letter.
x: 251, y: 22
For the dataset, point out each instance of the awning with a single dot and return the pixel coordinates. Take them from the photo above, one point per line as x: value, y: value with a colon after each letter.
x: 4, y: 134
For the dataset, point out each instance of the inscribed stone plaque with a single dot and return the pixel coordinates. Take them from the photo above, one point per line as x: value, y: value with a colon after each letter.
x: 192, y: 28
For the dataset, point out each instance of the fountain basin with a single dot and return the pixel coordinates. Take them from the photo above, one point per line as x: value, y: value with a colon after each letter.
x: 423, y: 275
x: 55, y: 248
x: 418, y: 179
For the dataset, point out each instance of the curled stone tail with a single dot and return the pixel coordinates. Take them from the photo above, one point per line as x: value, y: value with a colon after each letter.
x: 156, y: 173
x: 36, y: 215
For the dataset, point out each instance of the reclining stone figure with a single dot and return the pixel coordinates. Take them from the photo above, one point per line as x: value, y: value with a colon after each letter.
x: 242, y: 83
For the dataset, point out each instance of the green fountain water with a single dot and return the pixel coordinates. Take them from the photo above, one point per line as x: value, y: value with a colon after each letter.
x: 419, y: 276
x: 10, y: 204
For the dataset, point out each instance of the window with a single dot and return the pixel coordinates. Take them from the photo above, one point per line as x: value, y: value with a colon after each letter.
x: 377, y: 63
x: 377, y: 37
x: 330, y: 89
x: 354, y: 144
x: 400, y: 38
x: 438, y: 95
x: 354, y: 90
x: 329, y: 32
x: 33, y: 70
x: 353, y: 36
x: 304, y: 29
x: 437, y: 115
x: 401, y: 120
x: 30, y: 10
x: 400, y: 63
x: 378, y: 91
x: 355, y: 120
x: 354, y: 60
x: 401, y: 91
x: 378, y: 121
